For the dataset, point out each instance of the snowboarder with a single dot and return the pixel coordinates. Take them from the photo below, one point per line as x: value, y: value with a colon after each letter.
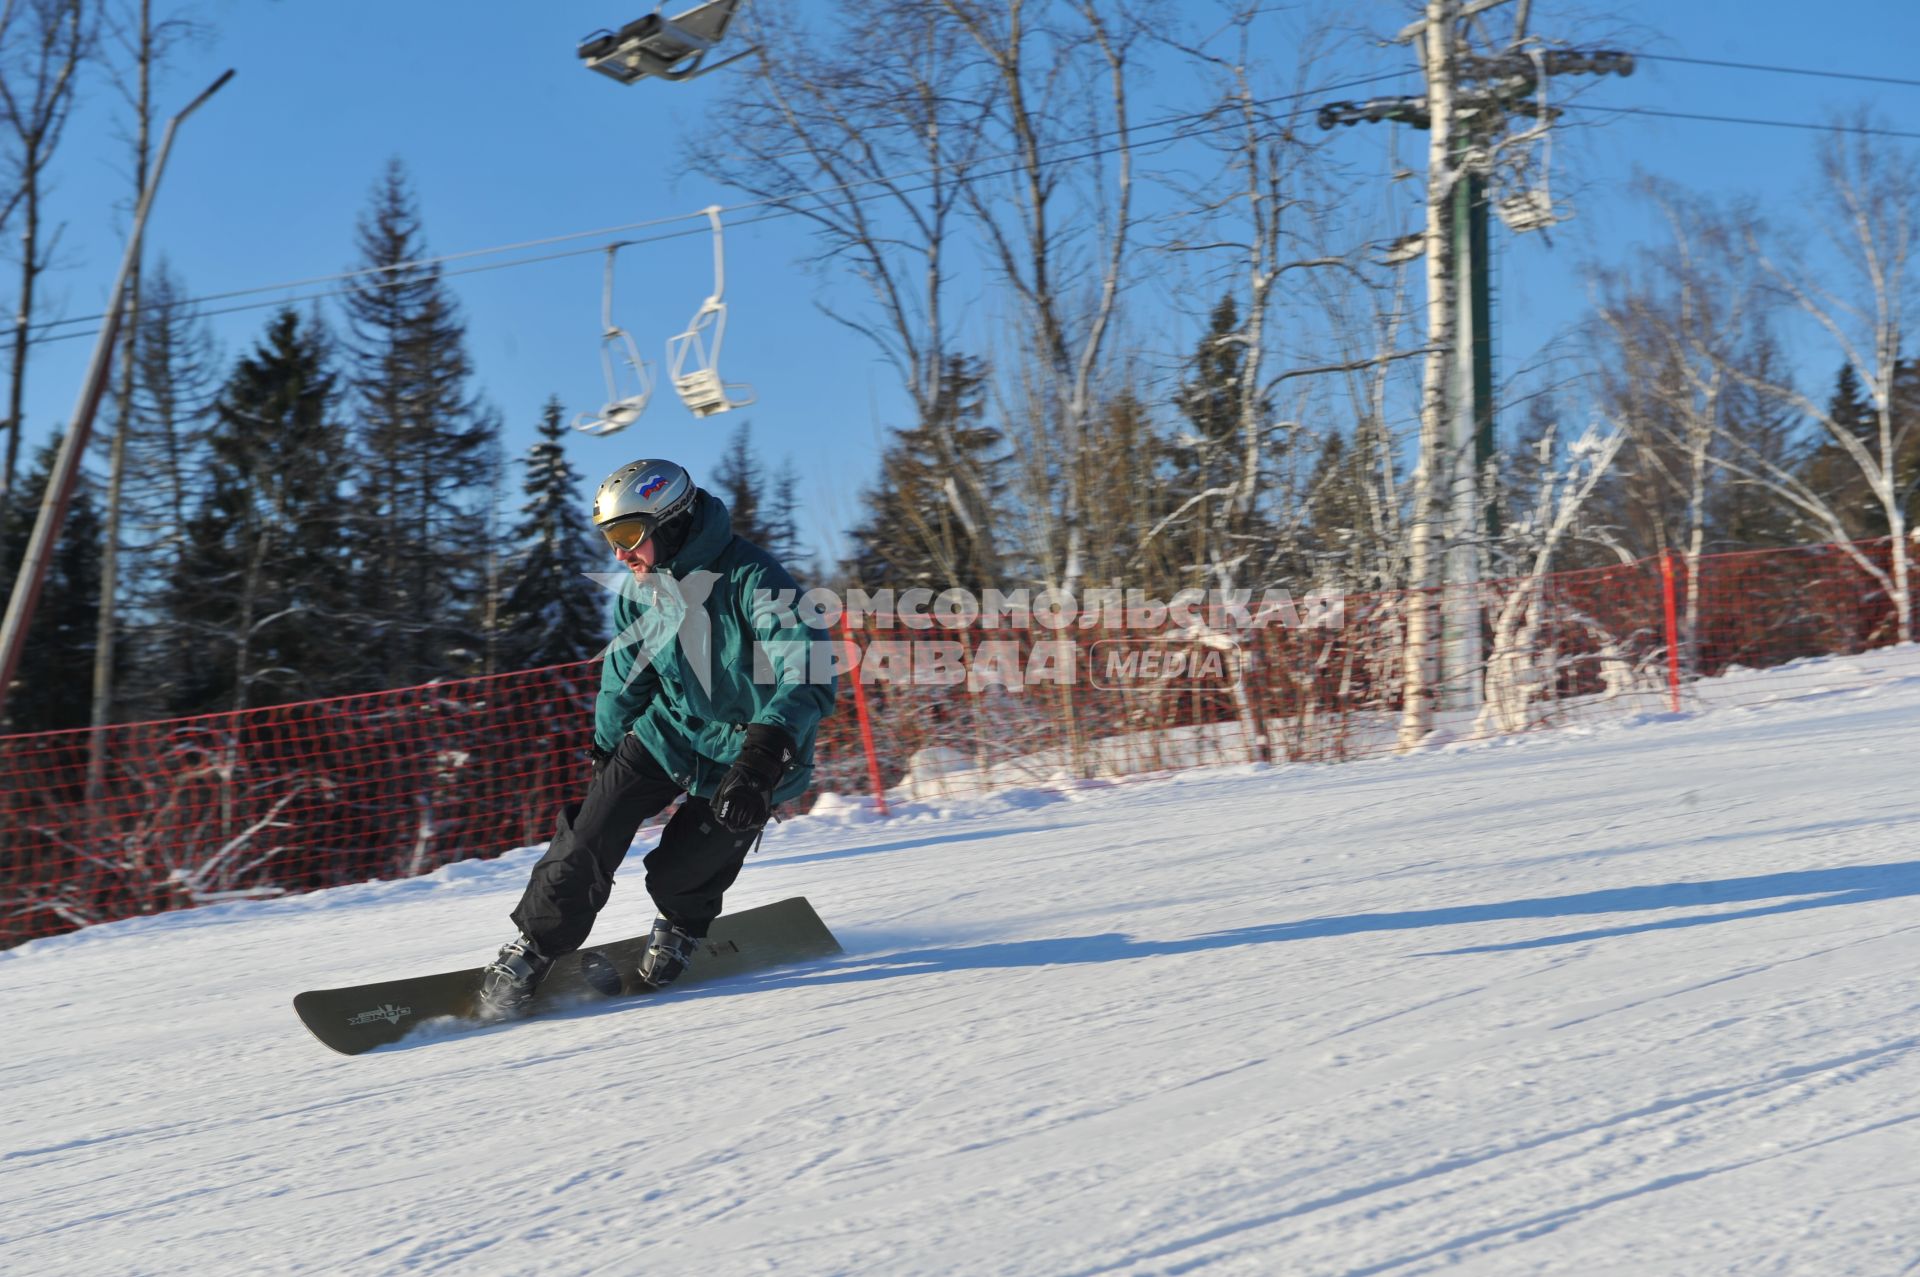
x: 710, y: 690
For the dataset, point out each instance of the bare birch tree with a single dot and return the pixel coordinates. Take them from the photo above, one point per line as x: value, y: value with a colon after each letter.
x: 1260, y: 216
x: 1677, y: 331
x: 1866, y: 309
x: 1058, y: 226
x: 42, y: 46
x: 1427, y: 520
x: 1518, y: 670
x: 139, y: 47
x: 873, y: 140
x: 176, y: 379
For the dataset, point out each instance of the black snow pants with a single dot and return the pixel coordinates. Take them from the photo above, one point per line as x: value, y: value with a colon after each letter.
x: 687, y: 873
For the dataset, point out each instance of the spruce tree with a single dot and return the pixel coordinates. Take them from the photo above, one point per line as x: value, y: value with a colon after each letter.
x: 913, y: 534
x: 553, y: 612
x: 1210, y: 399
x: 739, y: 482
x: 1335, y: 514
x: 1832, y: 473
x: 263, y: 593
x: 1829, y: 471
x: 1224, y: 531
x: 764, y: 510
x: 423, y: 446
x: 1349, y: 538
x: 53, y: 685
x: 1741, y: 514
x: 1126, y: 496
x: 782, y: 521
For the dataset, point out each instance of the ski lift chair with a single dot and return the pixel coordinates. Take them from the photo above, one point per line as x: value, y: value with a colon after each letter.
x: 616, y: 345
x: 1404, y: 249
x: 693, y: 357
x: 1531, y: 208
x: 669, y: 48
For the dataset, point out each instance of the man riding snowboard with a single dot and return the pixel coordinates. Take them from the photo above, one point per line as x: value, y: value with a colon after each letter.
x: 705, y: 691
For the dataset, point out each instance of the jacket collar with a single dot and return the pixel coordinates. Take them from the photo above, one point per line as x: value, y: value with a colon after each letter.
x: 712, y: 530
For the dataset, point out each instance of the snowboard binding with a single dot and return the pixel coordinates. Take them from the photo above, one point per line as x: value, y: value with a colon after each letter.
x: 508, y: 983
x: 669, y: 952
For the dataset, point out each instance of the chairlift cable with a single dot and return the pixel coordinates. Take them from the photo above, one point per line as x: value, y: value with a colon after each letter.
x: 466, y: 270
x: 781, y: 214
x: 1780, y: 70
x: 651, y: 223
x: 1165, y: 121
x: 1804, y: 125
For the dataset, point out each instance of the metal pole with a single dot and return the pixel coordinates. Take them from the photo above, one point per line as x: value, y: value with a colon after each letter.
x: 53, y: 506
x: 1470, y: 441
x: 1673, y: 629
x: 866, y: 720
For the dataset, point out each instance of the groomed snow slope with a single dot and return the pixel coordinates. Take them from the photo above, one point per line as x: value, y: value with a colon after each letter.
x: 1642, y: 999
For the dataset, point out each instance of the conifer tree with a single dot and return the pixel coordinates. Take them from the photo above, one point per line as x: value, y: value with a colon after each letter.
x: 912, y: 534
x: 1211, y: 397
x: 1335, y: 513
x: 1349, y: 534
x: 1740, y: 514
x: 553, y: 612
x: 423, y: 445
x: 53, y: 685
x: 740, y: 482
x: 1213, y: 498
x: 263, y: 595
x: 782, y: 521
x: 764, y: 509
x: 1832, y: 474
x: 1127, y: 497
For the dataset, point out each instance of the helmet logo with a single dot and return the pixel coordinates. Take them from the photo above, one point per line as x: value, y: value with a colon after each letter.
x: 652, y: 485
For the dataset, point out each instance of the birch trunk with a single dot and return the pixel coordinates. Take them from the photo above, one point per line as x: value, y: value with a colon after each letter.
x: 1427, y: 545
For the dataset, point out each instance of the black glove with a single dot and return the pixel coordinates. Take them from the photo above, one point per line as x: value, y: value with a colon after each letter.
x: 745, y: 797
x: 598, y: 757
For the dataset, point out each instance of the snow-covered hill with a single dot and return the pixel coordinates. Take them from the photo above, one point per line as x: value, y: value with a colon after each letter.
x: 1639, y: 999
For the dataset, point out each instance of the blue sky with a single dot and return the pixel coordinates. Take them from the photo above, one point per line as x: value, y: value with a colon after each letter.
x: 508, y: 139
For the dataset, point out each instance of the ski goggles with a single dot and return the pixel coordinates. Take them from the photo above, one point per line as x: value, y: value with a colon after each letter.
x: 629, y: 533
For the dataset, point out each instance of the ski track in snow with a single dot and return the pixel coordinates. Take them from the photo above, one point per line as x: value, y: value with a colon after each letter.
x: 1640, y: 998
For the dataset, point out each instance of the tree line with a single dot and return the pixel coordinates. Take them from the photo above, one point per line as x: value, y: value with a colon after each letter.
x: 329, y: 513
x: 992, y: 212
x: 1749, y: 381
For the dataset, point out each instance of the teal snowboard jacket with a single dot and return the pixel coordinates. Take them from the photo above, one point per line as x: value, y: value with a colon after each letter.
x: 707, y: 647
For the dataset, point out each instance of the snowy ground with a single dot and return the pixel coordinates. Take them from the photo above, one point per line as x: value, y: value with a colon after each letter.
x: 1639, y: 999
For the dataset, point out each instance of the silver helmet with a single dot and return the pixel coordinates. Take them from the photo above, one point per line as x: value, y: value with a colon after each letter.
x: 650, y: 489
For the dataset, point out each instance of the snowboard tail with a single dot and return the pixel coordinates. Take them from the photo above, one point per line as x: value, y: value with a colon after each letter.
x: 361, y: 1017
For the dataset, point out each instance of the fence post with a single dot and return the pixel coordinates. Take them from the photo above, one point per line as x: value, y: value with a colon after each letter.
x: 1673, y: 630
x: 866, y: 721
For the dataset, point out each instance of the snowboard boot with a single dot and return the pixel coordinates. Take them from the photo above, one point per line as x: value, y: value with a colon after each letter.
x: 669, y: 950
x: 507, y: 984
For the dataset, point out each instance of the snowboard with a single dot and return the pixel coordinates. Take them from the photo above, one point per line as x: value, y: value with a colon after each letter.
x: 360, y: 1017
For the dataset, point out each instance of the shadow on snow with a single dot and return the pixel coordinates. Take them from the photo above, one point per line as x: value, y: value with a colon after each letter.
x: 909, y: 844
x: 1776, y: 893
